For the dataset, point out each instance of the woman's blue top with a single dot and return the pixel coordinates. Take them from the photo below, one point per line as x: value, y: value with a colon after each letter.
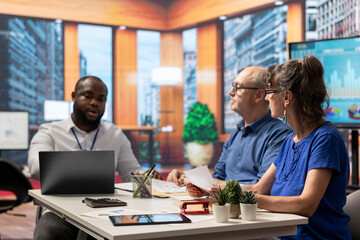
x: 322, y: 148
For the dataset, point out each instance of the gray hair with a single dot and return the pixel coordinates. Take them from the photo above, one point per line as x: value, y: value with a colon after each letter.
x: 258, y: 77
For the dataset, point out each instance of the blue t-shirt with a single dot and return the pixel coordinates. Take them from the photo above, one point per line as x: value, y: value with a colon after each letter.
x: 322, y: 148
x: 250, y: 150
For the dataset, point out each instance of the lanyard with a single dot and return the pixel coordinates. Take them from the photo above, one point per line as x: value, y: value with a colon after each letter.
x: 92, y: 146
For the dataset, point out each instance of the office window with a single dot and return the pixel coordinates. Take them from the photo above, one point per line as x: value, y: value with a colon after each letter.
x: 31, y: 68
x: 148, y: 57
x: 331, y: 19
x: 189, y: 69
x: 257, y: 39
x: 95, y: 46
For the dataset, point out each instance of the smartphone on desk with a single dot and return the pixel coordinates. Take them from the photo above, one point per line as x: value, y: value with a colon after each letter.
x: 142, y: 219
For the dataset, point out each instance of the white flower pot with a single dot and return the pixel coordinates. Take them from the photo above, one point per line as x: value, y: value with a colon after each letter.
x: 199, y: 154
x: 221, y: 212
x: 248, y: 211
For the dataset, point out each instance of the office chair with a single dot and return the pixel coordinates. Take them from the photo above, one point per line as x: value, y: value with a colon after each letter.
x: 352, y: 208
x: 13, y: 180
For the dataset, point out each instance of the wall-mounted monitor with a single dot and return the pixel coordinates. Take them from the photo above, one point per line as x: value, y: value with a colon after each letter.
x: 341, y: 61
x: 14, y: 130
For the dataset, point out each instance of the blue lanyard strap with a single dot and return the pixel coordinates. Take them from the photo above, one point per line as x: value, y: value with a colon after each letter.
x: 92, y: 146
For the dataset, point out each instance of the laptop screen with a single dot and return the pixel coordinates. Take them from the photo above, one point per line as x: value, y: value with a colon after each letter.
x: 77, y: 172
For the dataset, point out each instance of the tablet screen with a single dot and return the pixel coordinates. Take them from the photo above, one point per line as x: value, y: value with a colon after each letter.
x: 149, y: 219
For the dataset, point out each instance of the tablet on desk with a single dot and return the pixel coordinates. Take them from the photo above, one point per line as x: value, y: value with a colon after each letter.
x: 143, y: 219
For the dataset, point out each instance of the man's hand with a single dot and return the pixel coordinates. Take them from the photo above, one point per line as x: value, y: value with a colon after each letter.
x: 176, y: 176
x: 156, y: 175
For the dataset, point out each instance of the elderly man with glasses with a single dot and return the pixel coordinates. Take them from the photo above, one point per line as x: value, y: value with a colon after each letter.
x: 254, y: 144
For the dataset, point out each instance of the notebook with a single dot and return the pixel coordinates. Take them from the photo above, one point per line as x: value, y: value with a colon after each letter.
x: 77, y: 172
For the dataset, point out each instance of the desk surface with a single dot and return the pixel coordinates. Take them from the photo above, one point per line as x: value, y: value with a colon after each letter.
x: 70, y: 207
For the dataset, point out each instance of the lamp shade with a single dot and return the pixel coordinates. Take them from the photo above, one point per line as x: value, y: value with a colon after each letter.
x: 166, y: 76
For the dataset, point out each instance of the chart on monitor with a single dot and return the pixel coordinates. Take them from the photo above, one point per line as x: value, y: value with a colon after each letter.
x: 14, y: 130
x: 341, y: 61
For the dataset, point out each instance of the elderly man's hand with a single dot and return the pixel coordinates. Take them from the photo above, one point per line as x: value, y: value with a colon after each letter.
x: 176, y: 176
x: 156, y: 175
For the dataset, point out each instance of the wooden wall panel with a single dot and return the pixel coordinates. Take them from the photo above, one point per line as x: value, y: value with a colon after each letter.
x: 131, y: 13
x: 71, y: 59
x: 143, y: 14
x: 185, y: 13
x: 296, y: 22
x: 125, y: 77
x: 209, y: 69
x: 171, y: 100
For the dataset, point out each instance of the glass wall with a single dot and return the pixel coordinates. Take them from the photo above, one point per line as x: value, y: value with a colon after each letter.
x: 148, y: 94
x: 189, y: 69
x: 95, y: 46
x: 332, y: 19
x: 257, y: 39
x: 31, y: 68
x: 148, y: 57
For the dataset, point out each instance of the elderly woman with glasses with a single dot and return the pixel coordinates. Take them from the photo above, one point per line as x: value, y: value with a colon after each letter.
x: 311, y: 172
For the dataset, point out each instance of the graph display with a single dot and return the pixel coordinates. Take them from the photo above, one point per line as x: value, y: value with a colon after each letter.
x: 341, y: 61
x: 14, y: 130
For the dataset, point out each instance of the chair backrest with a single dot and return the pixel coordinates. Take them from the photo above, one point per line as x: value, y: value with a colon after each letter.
x: 352, y: 208
x: 13, y: 180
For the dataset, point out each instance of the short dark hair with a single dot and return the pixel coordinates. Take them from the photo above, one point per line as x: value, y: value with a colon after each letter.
x: 77, y: 86
x: 305, y: 79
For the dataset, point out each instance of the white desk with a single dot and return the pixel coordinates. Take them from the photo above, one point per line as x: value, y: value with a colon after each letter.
x: 70, y: 207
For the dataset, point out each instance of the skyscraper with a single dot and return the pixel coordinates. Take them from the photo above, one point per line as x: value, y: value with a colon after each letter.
x: 31, y: 65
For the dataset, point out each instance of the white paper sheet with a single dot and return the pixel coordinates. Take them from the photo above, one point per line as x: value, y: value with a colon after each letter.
x: 167, y: 187
x: 200, y: 177
x: 200, y: 217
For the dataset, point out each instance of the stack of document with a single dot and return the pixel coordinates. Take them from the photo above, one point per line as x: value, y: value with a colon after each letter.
x: 200, y: 177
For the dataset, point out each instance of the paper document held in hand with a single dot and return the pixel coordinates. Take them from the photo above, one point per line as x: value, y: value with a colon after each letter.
x: 200, y: 177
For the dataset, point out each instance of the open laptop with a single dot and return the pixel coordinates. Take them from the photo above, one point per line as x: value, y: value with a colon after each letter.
x: 77, y: 172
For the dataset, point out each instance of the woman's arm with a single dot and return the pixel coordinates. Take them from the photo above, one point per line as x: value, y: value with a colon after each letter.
x: 264, y: 185
x: 317, y: 181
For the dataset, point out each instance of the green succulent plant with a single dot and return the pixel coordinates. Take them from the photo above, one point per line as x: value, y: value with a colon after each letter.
x: 234, y: 191
x: 221, y: 196
x: 248, y: 197
x: 200, y: 125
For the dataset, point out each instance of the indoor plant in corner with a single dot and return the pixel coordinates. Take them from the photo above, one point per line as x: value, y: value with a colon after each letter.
x: 221, y: 208
x: 200, y: 134
x: 234, y: 194
x: 248, y: 205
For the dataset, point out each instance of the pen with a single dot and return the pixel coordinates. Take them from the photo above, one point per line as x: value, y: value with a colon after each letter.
x: 139, y: 183
x: 145, y: 180
x: 151, y: 169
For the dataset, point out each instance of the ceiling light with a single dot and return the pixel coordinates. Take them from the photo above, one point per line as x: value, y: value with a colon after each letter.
x: 223, y: 17
x: 122, y: 27
x: 279, y: 3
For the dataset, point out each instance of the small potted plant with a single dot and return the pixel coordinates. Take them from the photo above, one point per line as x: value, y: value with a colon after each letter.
x: 221, y: 208
x: 248, y: 205
x: 234, y: 193
x: 200, y: 134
